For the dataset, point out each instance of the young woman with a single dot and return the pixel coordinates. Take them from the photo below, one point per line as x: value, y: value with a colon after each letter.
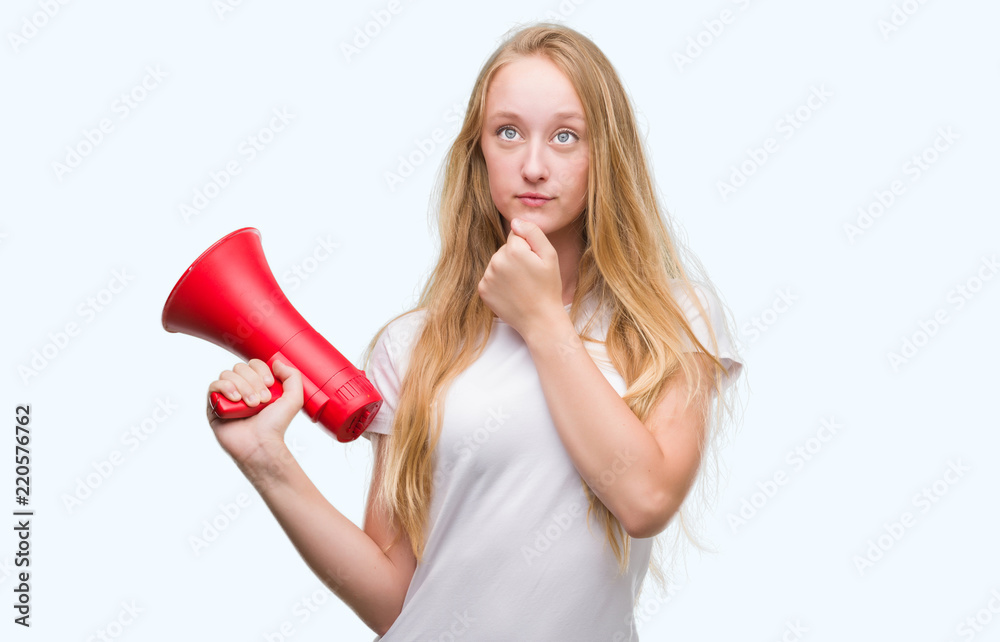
x: 550, y: 402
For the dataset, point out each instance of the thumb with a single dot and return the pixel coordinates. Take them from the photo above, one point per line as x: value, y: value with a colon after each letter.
x: 291, y: 384
x: 535, y: 237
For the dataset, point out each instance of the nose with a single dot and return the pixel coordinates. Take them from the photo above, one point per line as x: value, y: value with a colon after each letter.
x: 535, y: 167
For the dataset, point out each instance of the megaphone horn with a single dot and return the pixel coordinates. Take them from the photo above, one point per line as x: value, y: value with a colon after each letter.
x: 229, y: 297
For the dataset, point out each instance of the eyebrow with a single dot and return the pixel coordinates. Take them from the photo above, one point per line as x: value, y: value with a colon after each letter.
x: 558, y: 115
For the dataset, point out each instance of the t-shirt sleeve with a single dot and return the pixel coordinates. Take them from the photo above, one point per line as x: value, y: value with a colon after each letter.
x: 726, y: 352
x: 383, y: 375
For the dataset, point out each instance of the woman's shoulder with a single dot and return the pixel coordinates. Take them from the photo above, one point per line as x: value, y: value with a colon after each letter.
x: 679, y: 290
x: 407, y: 321
x: 711, y: 314
x: 708, y: 301
x: 400, y: 331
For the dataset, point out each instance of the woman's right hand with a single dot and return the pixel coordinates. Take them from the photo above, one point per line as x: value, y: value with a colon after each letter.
x: 251, y: 441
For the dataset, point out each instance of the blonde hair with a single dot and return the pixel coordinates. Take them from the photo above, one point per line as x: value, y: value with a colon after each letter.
x: 629, y: 259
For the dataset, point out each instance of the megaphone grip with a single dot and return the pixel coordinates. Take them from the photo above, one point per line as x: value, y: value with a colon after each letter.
x: 313, y: 397
x: 225, y: 408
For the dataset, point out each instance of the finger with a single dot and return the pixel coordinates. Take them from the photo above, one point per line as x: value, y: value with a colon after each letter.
x: 267, y: 379
x: 247, y: 382
x: 252, y: 376
x: 243, y: 387
x: 288, y: 374
x: 226, y: 387
x: 263, y: 369
x: 291, y: 383
x: 516, y: 249
x: 534, y: 238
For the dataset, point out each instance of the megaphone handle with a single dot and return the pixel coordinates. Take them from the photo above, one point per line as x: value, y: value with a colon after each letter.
x: 227, y: 409
x: 314, y: 398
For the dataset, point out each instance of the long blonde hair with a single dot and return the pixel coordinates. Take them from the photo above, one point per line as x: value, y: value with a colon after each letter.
x: 629, y: 259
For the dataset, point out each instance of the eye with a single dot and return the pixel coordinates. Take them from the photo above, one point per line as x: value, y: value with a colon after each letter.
x: 567, y: 133
x: 561, y: 136
x: 502, y: 132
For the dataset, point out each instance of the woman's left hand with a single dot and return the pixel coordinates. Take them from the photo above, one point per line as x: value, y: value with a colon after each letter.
x: 522, y: 284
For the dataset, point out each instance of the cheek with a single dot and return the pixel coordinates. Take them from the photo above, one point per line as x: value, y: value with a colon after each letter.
x: 491, y: 167
x: 582, y: 167
x: 497, y: 170
x: 503, y: 173
x: 580, y: 182
x: 574, y: 175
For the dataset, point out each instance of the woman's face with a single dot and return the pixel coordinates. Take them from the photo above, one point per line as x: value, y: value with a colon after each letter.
x: 534, y: 140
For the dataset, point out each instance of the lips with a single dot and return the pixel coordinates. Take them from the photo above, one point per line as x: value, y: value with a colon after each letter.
x: 533, y: 201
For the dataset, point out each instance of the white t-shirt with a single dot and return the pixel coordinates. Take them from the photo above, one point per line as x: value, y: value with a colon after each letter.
x: 509, y: 555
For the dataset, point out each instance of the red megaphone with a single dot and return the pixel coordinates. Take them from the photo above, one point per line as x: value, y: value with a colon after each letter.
x: 230, y: 297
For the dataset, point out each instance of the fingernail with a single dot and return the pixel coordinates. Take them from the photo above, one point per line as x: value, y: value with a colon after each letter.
x: 265, y: 395
x: 252, y: 399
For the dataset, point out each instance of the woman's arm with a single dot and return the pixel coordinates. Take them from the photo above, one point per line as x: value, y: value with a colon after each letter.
x: 641, y: 472
x: 348, y: 560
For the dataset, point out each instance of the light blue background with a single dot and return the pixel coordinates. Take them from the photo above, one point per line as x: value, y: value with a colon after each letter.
x: 822, y: 358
